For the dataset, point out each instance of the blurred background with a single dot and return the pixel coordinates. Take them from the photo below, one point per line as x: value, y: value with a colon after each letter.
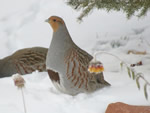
x: 22, y: 24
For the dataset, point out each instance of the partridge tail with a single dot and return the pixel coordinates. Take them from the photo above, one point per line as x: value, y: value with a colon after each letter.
x: 106, y: 83
x: 100, y: 79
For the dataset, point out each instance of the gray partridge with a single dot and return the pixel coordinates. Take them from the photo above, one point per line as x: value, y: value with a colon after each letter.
x: 67, y: 64
x: 24, y: 61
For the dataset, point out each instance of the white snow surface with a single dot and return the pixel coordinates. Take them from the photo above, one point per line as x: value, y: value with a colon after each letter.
x: 22, y: 25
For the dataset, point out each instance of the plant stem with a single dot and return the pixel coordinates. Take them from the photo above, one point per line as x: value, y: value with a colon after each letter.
x: 24, y: 105
x: 102, y: 52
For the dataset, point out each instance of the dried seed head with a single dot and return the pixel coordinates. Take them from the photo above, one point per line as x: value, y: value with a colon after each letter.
x: 18, y: 80
x: 95, y: 67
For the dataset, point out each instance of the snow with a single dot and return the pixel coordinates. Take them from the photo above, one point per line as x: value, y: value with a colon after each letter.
x: 22, y: 25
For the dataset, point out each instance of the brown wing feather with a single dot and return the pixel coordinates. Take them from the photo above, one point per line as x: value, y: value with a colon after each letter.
x: 77, y: 70
x: 29, y: 60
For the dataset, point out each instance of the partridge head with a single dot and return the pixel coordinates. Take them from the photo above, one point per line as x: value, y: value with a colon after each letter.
x: 67, y: 64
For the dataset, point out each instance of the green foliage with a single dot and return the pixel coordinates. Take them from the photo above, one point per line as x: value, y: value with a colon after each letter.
x: 145, y: 91
x: 133, y: 75
x: 129, y: 72
x: 121, y: 64
x: 137, y: 82
x: 137, y: 77
x: 130, y: 7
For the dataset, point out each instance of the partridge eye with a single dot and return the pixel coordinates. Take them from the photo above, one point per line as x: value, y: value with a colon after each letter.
x: 54, y: 20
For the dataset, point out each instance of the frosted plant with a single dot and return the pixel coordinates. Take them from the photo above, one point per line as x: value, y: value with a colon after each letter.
x: 95, y: 67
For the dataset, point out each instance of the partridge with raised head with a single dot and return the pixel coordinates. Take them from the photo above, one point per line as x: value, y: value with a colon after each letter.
x: 67, y: 64
x: 24, y: 61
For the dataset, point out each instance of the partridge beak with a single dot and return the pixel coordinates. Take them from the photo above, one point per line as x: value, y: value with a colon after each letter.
x: 47, y: 20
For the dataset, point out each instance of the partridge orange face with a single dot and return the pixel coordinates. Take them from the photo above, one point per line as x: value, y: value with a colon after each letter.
x: 55, y: 22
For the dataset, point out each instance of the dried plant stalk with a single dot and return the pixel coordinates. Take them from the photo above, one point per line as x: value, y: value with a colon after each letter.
x: 20, y: 83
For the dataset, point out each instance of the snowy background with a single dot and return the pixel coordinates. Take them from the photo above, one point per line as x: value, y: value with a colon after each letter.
x: 22, y: 25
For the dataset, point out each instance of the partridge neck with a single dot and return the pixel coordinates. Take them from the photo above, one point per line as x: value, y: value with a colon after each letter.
x: 62, y: 37
x: 60, y: 44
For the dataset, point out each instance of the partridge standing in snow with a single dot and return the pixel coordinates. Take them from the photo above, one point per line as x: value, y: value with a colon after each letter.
x: 24, y: 61
x: 67, y: 64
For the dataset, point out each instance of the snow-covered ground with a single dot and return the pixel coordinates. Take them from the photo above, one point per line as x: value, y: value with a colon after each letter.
x: 22, y: 25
